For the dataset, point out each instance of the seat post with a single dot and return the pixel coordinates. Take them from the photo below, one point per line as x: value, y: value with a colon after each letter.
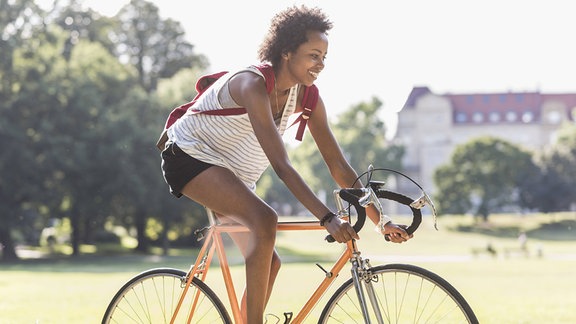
x: 211, y: 216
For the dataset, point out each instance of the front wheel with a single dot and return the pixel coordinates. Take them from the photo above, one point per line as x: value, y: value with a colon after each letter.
x: 152, y: 296
x: 403, y: 294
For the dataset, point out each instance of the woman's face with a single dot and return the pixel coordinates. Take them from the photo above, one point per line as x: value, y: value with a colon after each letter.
x: 308, y: 60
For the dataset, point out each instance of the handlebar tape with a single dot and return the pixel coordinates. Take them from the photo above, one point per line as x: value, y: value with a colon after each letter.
x: 352, y: 196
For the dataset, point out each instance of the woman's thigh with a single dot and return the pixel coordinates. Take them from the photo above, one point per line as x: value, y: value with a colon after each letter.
x: 220, y: 190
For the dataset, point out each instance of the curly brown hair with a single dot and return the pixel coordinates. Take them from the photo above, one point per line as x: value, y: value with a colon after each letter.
x: 288, y: 31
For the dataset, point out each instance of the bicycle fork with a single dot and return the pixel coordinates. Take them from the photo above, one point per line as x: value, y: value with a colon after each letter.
x: 363, y: 284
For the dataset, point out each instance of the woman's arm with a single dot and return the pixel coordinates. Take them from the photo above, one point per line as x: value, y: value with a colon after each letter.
x: 342, y: 172
x: 249, y: 91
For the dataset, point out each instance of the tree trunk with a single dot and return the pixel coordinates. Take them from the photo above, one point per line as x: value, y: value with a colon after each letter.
x: 88, y: 228
x: 75, y: 224
x: 483, y: 211
x: 143, y: 243
x: 7, y: 247
x: 165, y: 241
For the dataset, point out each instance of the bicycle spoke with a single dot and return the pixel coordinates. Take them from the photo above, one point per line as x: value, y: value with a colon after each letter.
x: 349, y: 314
x: 152, y: 297
x: 402, y: 294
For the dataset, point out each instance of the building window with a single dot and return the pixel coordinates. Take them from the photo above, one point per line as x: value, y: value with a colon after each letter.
x: 527, y: 117
x: 519, y: 97
x: 494, y: 117
x: 503, y: 98
x: 461, y: 117
x: 478, y: 117
x: 554, y: 117
x: 511, y: 116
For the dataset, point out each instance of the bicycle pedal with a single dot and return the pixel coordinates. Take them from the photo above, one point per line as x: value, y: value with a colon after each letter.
x: 287, y: 317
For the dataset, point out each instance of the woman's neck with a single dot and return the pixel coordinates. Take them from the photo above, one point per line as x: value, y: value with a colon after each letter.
x: 283, y: 80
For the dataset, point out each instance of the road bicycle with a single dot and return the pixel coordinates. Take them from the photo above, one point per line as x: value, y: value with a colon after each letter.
x: 390, y: 293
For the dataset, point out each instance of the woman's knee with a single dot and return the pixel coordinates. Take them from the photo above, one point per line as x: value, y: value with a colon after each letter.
x: 263, y: 222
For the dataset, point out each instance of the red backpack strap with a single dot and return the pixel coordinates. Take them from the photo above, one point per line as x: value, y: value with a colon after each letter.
x: 309, y: 101
x: 265, y: 69
x: 268, y: 72
x: 202, y: 84
x: 206, y: 81
x: 177, y: 113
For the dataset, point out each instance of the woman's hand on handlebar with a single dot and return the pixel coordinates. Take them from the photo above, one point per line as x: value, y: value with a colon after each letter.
x: 340, y: 230
x: 396, y: 233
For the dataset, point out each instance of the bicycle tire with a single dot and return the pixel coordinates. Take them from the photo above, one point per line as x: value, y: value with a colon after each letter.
x: 152, y: 296
x: 405, y: 294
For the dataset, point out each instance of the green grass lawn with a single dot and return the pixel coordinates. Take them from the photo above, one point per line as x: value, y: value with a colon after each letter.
x: 512, y: 288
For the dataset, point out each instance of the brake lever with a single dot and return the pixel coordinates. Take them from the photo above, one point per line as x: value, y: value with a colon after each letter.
x: 423, y: 201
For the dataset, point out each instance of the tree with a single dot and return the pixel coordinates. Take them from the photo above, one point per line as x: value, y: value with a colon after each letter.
x: 73, y: 104
x: 156, y: 47
x: 552, y: 189
x: 83, y: 24
x: 19, y: 163
x: 100, y: 86
x: 362, y: 136
x: 483, y: 176
x: 78, y: 131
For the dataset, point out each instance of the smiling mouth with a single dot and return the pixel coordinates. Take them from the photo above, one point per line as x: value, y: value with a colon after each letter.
x: 314, y: 74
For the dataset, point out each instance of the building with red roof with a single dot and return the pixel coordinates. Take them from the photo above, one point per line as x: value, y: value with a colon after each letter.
x: 431, y: 125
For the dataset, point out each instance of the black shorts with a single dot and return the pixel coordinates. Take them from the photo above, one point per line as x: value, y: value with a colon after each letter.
x: 179, y: 168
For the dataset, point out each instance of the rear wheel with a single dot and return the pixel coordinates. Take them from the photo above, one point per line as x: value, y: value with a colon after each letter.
x: 152, y: 296
x: 403, y: 294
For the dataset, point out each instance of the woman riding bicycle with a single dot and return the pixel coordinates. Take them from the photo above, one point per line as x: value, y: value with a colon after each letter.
x: 216, y: 160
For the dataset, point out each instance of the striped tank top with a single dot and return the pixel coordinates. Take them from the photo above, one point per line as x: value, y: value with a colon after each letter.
x: 226, y: 141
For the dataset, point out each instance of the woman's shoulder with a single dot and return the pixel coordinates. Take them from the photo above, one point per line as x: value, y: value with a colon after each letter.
x: 262, y: 70
x: 253, y: 77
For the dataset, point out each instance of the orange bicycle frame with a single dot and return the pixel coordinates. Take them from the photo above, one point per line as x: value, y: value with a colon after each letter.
x: 213, y: 243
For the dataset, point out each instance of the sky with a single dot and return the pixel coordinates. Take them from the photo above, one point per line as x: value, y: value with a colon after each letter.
x: 384, y: 48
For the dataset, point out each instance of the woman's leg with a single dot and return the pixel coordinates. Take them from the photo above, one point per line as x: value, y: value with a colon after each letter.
x: 241, y: 240
x: 220, y: 190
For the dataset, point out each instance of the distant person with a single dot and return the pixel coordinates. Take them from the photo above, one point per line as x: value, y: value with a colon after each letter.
x: 216, y: 160
x: 523, y: 240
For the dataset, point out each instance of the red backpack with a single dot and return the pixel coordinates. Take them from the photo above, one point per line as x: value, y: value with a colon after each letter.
x: 308, y: 102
